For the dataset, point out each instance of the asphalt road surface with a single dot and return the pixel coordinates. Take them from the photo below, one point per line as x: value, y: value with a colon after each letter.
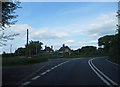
x: 77, y: 72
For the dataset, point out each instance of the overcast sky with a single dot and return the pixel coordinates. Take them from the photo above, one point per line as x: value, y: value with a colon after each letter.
x: 76, y: 24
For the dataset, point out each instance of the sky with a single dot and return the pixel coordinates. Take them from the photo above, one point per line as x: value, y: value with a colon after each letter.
x: 75, y: 24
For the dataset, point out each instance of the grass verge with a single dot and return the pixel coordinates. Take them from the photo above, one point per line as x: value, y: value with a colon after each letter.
x: 21, y: 61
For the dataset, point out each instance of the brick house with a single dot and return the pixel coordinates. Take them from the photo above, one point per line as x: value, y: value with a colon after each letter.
x: 64, y: 49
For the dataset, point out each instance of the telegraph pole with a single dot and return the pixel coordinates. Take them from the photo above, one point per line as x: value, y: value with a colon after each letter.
x: 27, y: 48
x: 27, y: 37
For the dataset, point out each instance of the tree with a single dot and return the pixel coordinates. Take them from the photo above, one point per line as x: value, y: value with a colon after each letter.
x: 106, y: 42
x: 8, y: 14
x: 34, y: 47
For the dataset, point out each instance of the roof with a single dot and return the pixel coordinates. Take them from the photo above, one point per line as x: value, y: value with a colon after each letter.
x: 48, y: 49
x: 63, y: 48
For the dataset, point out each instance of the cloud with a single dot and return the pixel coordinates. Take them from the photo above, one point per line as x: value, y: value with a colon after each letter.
x: 35, y: 34
x: 46, y: 34
x: 88, y: 42
x: 104, y: 24
x: 93, y: 41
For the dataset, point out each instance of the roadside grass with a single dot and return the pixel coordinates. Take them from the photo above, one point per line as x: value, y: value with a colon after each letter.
x: 115, y: 60
x: 14, y: 61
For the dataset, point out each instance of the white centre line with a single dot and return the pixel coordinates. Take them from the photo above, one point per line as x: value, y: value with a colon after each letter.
x: 43, y: 73
x: 96, y: 70
x: 48, y: 70
x: 25, y: 83
x: 35, y: 78
x: 52, y: 68
x: 105, y: 81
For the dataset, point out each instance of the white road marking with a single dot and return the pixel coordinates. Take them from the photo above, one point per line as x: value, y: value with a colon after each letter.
x: 35, y: 78
x: 105, y: 81
x: 43, y: 73
x: 58, y: 65
x: 104, y: 74
x: 55, y: 66
x: 48, y: 70
x: 52, y: 68
x: 25, y: 83
x: 106, y: 77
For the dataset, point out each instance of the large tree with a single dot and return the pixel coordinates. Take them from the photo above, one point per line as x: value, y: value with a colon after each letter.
x: 8, y: 14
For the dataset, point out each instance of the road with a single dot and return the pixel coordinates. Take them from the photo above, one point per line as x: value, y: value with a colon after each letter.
x: 77, y: 72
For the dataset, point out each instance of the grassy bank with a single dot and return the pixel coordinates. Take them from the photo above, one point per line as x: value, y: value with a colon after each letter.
x: 14, y: 61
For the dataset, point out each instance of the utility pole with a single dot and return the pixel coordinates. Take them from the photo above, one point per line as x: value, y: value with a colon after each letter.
x: 27, y: 48
x: 27, y: 36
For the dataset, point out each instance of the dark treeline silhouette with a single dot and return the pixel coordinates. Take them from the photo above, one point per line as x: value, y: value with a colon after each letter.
x: 111, y: 46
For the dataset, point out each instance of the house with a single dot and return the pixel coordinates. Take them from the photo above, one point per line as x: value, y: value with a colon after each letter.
x: 48, y: 49
x: 64, y: 49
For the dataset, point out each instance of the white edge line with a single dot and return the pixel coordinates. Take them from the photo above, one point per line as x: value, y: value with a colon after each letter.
x: 105, y: 81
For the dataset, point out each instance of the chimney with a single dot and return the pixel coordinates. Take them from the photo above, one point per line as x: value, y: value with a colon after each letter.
x: 51, y: 47
x: 63, y: 45
x: 45, y: 46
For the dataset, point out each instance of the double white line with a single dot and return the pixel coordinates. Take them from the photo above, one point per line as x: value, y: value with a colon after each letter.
x: 101, y: 75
